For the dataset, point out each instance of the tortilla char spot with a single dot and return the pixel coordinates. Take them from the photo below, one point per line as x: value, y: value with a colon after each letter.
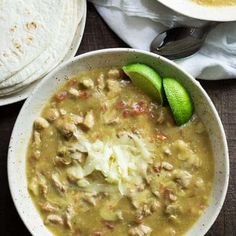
x: 5, y: 54
x: 29, y: 40
x: 31, y: 25
x: 17, y: 46
x: 13, y: 28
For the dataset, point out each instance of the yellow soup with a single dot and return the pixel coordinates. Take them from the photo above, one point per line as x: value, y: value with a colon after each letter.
x: 216, y: 2
x: 104, y: 159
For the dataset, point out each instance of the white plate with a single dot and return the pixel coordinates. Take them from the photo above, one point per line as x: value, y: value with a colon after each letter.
x: 24, y: 93
x: 104, y: 58
x: 194, y: 10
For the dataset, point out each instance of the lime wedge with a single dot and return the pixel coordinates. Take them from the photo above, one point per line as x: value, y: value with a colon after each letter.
x: 146, y: 79
x: 179, y: 100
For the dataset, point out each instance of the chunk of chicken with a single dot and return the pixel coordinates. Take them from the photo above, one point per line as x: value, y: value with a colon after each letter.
x: 52, y: 114
x: 167, y: 166
x: 137, y: 200
x: 172, y: 197
x: 199, y: 182
x: 62, y: 111
x: 186, y: 154
x: 119, y: 215
x: 42, y: 184
x: 141, y: 230
x: 113, y: 73
x: 183, y: 149
x: 36, y: 154
x: 146, y: 210
x: 41, y: 123
x: 101, y: 81
x: 170, y: 232
x: 54, y: 219
x: 193, y: 161
x: 78, y: 147
x: 75, y: 173
x: 110, y: 118
x: 68, y: 216
x: 74, y: 92
x: 89, y: 120
x: 58, y: 184
x: 33, y: 186
x: 48, y: 207
x: 173, y: 209
x: 113, y: 121
x: 167, y: 151
x: 113, y: 86
x: 66, y: 128
x: 182, y: 177
x: 62, y: 160
x: 155, y: 205
x: 77, y: 119
x: 37, y: 139
x: 90, y: 199
x: 65, y: 154
x: 88, y: 83
x: 83, y: 183
x: 156, y: 193
x: 38, y: 185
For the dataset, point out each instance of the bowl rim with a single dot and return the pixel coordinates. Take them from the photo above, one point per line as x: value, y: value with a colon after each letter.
x: 23, y: 110
x: 201, y: 12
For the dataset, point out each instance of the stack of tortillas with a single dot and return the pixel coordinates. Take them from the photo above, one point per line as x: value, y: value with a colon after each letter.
x: 35, y: 36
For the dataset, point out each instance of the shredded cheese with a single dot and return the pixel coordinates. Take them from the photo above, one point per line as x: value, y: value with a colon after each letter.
x: 123, y: 161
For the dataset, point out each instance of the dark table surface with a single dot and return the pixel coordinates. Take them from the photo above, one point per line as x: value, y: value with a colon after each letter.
x: 97, y: 36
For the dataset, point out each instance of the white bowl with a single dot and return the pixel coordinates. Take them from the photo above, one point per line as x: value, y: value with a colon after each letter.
x: 103, y: 58
x: 194, y: 10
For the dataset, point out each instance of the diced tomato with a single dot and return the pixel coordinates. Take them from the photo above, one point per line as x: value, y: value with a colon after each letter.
x: 139, y: 108
x: 126, y: 113
x: 121, y: 105
x: 61, y: 96
x: 84, y: 94
x: 160, y: 137
x: 109, y: 225
x: 157, y: 169
x: 73, y: 83
x: 97, y: 233
x: 166, y: 193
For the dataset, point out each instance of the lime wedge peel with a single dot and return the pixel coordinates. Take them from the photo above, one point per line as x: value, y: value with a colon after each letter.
x: 179, y: 100
x: 146, y: 79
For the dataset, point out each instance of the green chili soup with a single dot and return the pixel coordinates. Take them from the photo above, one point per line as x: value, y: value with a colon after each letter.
x: 216, y: 2
x: 106, y: 159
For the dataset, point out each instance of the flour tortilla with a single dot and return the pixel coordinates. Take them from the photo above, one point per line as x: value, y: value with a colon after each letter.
x: 55, y: 19
x: 55, y: 54
x: 23, y: 74
x: 25, y: 32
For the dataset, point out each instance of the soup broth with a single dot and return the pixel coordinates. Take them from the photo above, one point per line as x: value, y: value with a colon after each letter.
x: 105, y: 159
x: 216, y: 2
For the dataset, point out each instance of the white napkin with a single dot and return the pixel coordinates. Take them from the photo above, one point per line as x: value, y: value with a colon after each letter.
x: 138, y: 22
